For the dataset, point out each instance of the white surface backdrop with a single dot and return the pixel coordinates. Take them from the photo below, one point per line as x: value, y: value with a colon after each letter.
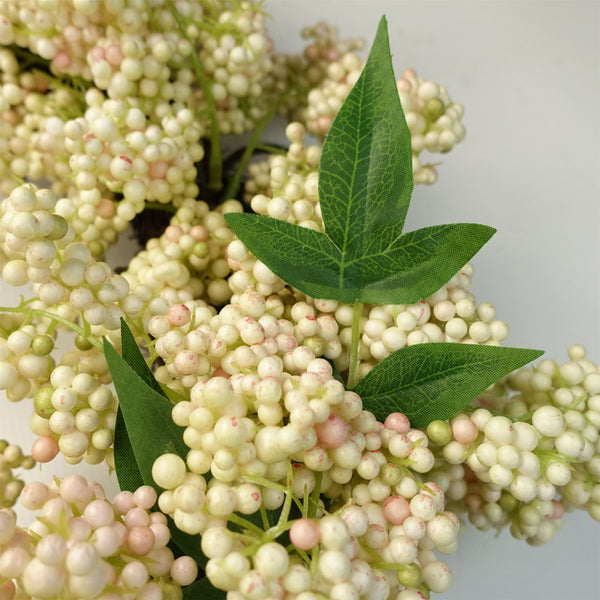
x: 528, y: 76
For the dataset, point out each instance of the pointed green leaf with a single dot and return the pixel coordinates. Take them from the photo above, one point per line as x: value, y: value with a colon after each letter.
x: 126, y: 467
x: 436, y: 381
x: 419, y: 263
x: 132, y: 355
x: 146, y: 415
x: 365, y: 173
x: 302, y: 257
x: 365, y: 184
x: 144, y: 429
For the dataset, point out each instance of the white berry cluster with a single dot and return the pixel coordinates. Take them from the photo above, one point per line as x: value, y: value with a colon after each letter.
x: 526, y: 468
x: 31, y: 140
x: 11, y: 457
x: 188, y: 260
x: 382, y: 524
x: 433, y: 119
x: 60, y: 32
x: 265, y: 415
x: 83, y: 546
x: 311, y: 68
x: 113, y: 148
x: 237, y: 56
x: 74, y: 411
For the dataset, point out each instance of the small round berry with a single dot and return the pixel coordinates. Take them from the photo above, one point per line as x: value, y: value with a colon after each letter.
x: 168, y: 471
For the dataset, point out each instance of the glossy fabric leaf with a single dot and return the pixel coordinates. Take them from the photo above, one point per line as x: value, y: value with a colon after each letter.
x: 133, y: 357
x: 419, y: 263
x: 436, y: 381
x: 126, y: 467
x: 146, y: 415
x: 144, y: 429
x: 365, y: 173
x: 304, y: 258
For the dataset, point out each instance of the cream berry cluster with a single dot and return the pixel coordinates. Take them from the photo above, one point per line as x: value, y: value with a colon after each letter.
x: 37, y: 245
x: 31, y: 132
x: 236, y: 54
x: 83, y: 546
x: 115, y: 149
x: 310, y: 69
x: 265, y: 416
x: 433, y: 119
x: 524, y: 469
x: 188, y: 260
x: 73, y: 410
x: 381, y: 528
x: 60, y: 32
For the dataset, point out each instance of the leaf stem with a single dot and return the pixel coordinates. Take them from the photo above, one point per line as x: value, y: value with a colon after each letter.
x: 353, y: 353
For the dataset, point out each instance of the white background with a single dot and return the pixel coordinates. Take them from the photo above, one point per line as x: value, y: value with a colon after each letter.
x: 528, y: 76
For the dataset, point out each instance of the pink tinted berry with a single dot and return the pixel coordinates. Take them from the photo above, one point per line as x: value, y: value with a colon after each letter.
x: 140, y: 540
x: 396, y: 509
x: 464, y: 430
x: 178, y: 315
x: 332, y: 433
x: 44, y: 449
x: 305, y: 534
x: 397, y: 422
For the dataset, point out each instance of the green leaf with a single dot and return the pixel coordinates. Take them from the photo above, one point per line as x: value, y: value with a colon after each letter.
x: 126, y: 467
x: 144, y: 429
x: 304, y: 258
x: 365, y: 173
x: 419, y: 263
x: 365, y: 184
x: 146, y: 415
x: 133, y: 357
x: 203, y: 590
x: 436, y: 381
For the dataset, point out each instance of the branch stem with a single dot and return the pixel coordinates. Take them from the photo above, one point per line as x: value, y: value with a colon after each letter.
x: 354, y: 360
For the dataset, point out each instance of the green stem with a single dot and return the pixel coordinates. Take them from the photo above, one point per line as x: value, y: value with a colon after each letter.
x: 311, y: 510
x: 245, y: 524
x: 354, y: 360
x: 234, y: 183
x: 271, y: 149
x: 215, y: 162
x: 48, y: 315
x: 264, y: 517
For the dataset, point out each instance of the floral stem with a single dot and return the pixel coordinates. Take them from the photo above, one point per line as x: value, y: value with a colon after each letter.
x: 354, y: 345
x: 27, y: 310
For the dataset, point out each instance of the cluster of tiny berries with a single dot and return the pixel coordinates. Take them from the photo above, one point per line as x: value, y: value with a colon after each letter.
x: 11, y: 457
x: 30, y: 128
x: 433, y: 119
x: 114, y: 147
x: 187, y: 261
x: 74, y: 411
x: 523, y: 470
x: 382, y: 525
x: 83, y: 546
